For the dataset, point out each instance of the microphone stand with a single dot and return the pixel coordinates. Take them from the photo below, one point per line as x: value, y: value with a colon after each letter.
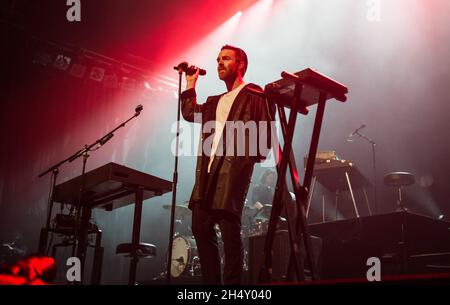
x: 374, y: 166
x: 81, y: 252
x: 42, y: 249
x: 55, y: 170
x: 175, y: 181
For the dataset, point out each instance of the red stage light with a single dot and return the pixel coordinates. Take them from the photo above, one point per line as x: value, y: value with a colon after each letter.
x: 34, y: 270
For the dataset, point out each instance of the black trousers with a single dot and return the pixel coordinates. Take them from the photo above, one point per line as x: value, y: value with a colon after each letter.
x: 203, y: 222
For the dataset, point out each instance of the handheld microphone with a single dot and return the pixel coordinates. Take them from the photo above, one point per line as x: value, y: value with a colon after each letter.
x: 189, y: 70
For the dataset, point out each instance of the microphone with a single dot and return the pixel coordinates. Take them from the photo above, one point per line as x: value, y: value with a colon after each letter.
x: 350, y: 136
x: 138, y: 110
x: 189, y: 70
x: 105, y: 139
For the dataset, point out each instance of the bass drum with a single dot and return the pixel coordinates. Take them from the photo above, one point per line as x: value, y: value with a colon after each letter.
x: 185, y: 260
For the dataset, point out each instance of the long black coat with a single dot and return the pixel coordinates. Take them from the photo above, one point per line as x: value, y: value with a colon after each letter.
x: 229, y: 175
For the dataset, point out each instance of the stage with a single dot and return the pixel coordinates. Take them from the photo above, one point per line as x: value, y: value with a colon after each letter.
x: 317, y: 130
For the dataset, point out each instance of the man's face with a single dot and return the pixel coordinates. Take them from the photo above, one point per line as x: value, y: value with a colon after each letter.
x: 270, y: 179
x: 227, y: 65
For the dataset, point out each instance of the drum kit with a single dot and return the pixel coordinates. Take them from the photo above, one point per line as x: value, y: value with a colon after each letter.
x: 185, y: 258
x: 256, y: 220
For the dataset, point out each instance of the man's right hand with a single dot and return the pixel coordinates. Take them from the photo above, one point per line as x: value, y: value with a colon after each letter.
x: 191, y: 80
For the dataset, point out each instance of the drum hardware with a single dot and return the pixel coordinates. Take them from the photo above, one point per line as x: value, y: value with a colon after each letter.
x: 185, y: 259
x: 264, y: 211
x: 181, y: 210
x: 183, y: 217
x: 261, y: 225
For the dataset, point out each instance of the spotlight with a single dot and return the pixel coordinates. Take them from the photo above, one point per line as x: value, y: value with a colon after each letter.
x: 77, y: 70
x: 441, y: 217
x: 97, y: 74
x: 62, y: 62
x: 42, y: 58
x: 111, y: 81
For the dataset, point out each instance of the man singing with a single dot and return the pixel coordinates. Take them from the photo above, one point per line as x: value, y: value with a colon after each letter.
x: 225, y: 164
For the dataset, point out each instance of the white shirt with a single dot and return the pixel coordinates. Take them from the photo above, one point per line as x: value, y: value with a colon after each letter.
x: 222, y: 111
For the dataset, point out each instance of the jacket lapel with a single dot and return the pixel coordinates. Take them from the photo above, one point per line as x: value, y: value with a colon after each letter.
x: 237, y: 103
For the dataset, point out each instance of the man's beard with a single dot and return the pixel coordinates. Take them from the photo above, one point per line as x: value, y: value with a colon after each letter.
x: 229, y: 75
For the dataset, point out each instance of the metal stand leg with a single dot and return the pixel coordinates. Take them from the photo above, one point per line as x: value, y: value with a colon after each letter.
x: 336, y: 205
x: 136, y: 236
x: 43, y: 241
x: 313, y: 184
x: 403, y: 244
x: 367, y: 201
x: 83, y: 238
x: 301, y: 192
x: 351, y: 194
x: 98, y: 260
x: 400, y: 205
x: 54, y: 249
x: 323, y: 208
x: 281, y: 195
x: 42, y: 248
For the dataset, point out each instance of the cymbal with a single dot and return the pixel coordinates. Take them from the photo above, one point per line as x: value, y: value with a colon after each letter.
x: 180, y: 209
x: 263, y: 207
x: 264, y: 211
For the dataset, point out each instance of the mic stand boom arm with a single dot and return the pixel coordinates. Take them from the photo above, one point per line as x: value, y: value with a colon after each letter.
x: 103, y: 139
x: 374, y: 167
x: 55, y: 170
x: 85, y: 215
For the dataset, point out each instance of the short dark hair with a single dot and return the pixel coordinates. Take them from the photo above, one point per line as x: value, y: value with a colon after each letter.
x: 264, y: 175
x: 240, y: 55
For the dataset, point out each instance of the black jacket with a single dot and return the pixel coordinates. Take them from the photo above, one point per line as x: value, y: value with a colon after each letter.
x: 229, y: 176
